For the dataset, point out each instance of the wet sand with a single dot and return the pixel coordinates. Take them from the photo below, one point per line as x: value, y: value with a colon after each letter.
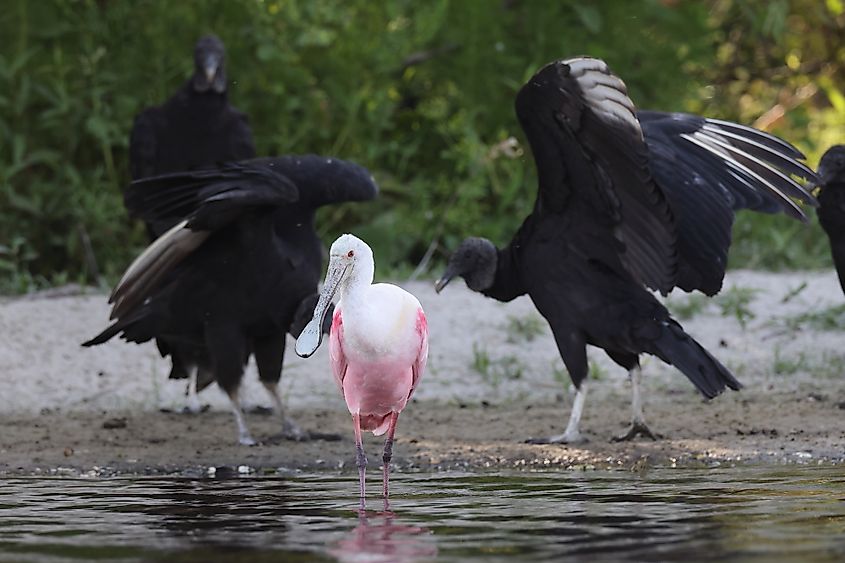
x: 495, y: 379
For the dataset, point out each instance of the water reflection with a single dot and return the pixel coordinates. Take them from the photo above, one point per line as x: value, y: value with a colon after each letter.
x: 379, y: 536
x: 789, y: 513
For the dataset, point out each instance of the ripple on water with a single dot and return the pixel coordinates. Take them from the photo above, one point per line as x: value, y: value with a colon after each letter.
x: 782, y: 513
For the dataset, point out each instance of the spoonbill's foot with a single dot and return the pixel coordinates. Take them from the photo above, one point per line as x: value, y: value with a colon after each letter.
x: 565, y: 438
x: 637, y: 429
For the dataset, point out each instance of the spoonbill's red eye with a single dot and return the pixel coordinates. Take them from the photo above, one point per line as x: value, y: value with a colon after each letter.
x: 350, y: 254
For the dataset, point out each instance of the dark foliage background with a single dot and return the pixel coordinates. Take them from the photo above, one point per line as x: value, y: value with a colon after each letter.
x: 419, y: 91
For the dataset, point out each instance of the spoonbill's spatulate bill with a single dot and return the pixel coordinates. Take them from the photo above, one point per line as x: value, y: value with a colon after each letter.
x: 378, y: 345
x: 627, y: 199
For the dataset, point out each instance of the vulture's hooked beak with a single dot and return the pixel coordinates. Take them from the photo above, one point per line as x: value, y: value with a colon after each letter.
x: 444, y: 280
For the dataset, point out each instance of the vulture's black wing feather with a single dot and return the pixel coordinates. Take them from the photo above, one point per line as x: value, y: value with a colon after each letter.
x: 324, y: 180
x: 210, y: 198
x: 756, y: 169
x: 594, y: 160
x: 703, y: 224
x: 708, y: 169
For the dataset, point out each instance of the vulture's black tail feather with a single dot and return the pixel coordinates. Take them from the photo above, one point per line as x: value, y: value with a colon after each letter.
x: 678, y: 348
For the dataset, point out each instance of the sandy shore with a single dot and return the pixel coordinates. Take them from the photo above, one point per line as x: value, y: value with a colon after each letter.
x: 494, y: 379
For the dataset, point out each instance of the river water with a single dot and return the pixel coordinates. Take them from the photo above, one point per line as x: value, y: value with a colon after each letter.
x: 784, y: 513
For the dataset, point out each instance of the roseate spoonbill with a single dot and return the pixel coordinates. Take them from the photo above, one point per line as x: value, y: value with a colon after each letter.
x: 196, y: 128
x: 378, y: 345
x: 231, y: 278
x: 831, y: 209
x: 626, y: 200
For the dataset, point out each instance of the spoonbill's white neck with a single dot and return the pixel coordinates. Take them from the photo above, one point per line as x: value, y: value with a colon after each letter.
x: 357, y: 278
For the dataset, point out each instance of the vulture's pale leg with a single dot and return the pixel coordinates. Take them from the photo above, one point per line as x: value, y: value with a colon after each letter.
x: 572, y: 435
x: 290, y: 429
x: 638, y: 425
x: 192, y: 400
x: 244, y: 436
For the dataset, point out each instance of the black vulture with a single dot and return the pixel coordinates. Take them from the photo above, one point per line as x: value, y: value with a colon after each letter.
x: 831, y: 209
x: 626, y: 201
x: 239, y: 272
x: 196, y: 128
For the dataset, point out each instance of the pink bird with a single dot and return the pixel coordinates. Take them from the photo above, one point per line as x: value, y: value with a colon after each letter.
x: 378, y: 345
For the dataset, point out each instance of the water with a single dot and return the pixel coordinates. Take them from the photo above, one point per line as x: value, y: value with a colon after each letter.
x: 767, y: 514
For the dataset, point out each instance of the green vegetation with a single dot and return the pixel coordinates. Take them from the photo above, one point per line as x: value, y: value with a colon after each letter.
x: 794, y: 292
x: 831, y: 319
x: 825, y: 365
x: 561, y: 374
x: 735, y: 302
x: 494, y: 371
x: 420, y: 92
x: 525, y: 328
x: 597, y: 372
x: 688, y: 306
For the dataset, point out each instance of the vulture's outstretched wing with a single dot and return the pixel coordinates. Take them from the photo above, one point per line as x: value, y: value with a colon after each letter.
x: 748, y: 168
x: 708, y: 169
x: 211, y: 199
x: 592, y: 161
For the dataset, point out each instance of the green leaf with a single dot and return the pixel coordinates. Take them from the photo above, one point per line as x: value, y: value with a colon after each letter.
x: 589, y: 16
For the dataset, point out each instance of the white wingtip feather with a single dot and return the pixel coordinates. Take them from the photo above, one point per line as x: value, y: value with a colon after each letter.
x: 146, y: 257
x: 604, y: 92
x: 709, y: 143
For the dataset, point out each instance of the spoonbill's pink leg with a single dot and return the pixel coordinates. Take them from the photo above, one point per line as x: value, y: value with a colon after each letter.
x: 388, y: 455
x: 361, y: 458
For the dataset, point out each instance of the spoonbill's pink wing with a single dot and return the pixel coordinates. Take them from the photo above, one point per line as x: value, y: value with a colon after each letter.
x: 336, y: 355
x: 422, y: 355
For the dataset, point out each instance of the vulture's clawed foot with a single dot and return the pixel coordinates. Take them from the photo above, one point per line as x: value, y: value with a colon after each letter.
x: 297, y: 434
x: 194, y: 408
x: 637, y: 429
x: 247, y: 440
x: 187, y: 409
x: 325, y: 436
x: 291, y: 431
x: 571, y: 438
x: 259, y: 410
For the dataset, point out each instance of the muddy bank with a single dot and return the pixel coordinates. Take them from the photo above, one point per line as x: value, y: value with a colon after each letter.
x: 495, y: 379
x: 771, y: 427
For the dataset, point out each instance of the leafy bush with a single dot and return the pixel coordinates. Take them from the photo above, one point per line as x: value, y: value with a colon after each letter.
x: 420, y: 92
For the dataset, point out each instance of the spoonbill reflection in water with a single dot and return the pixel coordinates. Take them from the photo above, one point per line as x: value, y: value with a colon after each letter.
x: 378, y: 345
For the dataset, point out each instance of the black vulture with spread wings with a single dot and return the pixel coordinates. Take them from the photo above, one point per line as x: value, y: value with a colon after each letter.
x: 626, y: 201
x: 239, y: 271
